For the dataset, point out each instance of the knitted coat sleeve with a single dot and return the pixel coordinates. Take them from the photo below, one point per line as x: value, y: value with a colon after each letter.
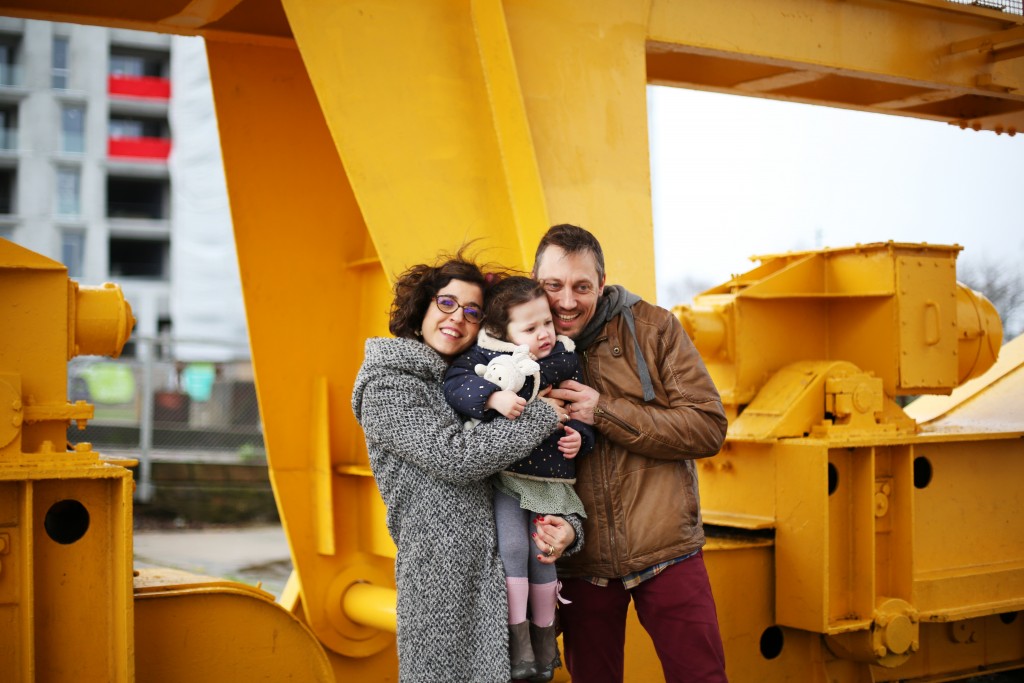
x: 410, y: 419
x: 577, y: 524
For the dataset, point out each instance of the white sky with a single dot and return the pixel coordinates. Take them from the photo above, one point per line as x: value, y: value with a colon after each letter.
x: 737, y: 176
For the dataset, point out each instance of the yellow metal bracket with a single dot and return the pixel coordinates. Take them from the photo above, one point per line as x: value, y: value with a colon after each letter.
x: 323, y: 476
x: 818, y: 398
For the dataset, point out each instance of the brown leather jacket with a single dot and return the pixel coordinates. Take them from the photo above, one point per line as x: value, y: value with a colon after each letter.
x: 639, y: 485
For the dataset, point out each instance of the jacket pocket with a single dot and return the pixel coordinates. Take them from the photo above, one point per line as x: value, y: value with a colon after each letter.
x: 660, y: 511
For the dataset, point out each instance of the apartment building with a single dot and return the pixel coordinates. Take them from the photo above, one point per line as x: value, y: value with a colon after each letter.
x: 87, y: 170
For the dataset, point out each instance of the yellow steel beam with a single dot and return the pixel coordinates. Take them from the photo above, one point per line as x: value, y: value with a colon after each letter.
x: 869, y: 55
x: 422, y: 104
x: 394, y: 156
x: 511, y: 126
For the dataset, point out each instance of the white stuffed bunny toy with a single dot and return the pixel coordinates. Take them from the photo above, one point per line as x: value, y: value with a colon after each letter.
x: 509, y: 372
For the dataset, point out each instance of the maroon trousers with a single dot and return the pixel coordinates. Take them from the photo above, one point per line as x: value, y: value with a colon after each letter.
x: 675, y: 607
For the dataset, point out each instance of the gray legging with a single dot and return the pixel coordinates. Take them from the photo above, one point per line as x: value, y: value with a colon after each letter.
x: 515, y: 541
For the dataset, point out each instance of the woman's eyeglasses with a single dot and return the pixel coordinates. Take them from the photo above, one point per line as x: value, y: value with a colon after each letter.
x: 449, y: 304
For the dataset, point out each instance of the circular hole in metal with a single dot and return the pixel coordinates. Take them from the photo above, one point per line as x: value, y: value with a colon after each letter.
x: 922, y: 472
x: 833, y: 479
x: 771, y: 642
x: 66, y: 521
x: 1008, y: 617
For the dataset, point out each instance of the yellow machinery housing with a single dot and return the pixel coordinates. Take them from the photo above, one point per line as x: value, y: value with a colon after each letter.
x: 382, y: 122
x: 896, y: 544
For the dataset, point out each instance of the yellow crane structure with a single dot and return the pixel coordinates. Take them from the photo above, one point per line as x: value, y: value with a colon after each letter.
x: 855, y: 540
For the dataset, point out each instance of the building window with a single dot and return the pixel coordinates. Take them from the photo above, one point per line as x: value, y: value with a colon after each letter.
x: 138, y: 127
x: 139, y: 257
x: 60, y: 73
x: 72, y: 252
x: 8, y: 128
x: 138, y: 198
x: 69, y: 189
x: 72, y: 128
x: 138, y: 64
x: 8, y: 177
x: 126, y: 65
x: 10, y: 72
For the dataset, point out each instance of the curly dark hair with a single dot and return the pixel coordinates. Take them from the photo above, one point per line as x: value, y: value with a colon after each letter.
x: 509, y: 292
x: 416, y: 288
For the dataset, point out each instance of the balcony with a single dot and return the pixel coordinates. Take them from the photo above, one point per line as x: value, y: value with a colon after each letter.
x: 146, y: 87
x: 138, y: 149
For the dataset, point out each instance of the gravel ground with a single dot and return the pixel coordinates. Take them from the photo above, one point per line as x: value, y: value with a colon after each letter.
x: 248, y: 554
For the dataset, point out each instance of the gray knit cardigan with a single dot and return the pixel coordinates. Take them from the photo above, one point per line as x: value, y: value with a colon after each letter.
x: 432, y: 474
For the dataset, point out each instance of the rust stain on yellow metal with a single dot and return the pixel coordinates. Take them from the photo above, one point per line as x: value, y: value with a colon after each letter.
x: 389, y: 130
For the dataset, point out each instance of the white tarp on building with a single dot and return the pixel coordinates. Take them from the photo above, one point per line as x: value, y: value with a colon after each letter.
x: 206, y: 293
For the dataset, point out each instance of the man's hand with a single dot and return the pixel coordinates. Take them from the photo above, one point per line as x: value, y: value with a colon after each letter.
x: 582, y: 399
x: 508, y: 403
x: 570, y: 444
x: 558, y: 405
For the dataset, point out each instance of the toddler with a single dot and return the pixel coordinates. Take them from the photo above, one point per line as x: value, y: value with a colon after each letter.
x: 517, y: 314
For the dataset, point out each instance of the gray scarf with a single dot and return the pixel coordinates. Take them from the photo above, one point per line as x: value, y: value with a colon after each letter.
x: 616, y: 300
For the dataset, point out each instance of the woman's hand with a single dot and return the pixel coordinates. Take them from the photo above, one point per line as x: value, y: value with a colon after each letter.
x: 552, y: 537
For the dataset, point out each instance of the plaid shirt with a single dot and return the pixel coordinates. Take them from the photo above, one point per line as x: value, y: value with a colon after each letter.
x: 631, y: 581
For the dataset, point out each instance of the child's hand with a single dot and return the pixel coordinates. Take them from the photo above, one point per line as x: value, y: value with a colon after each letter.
x: 508, y: 403
x: 570, y: 443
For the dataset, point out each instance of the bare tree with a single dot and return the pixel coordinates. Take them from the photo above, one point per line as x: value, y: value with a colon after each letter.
x: 1002, y: 284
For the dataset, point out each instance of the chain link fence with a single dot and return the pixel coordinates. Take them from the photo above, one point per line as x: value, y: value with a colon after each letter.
x: 1011, y: 6
x: 167, y: 412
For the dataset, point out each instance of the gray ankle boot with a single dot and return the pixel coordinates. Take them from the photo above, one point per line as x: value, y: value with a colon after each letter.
x: 520, y: 652
x: 545, y: 649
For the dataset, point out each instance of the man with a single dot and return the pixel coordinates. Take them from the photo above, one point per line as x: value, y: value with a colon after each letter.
x: 655, y: 409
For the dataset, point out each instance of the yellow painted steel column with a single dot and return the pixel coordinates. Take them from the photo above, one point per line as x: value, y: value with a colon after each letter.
x: 585, y: 85
x: 421, y: 104
x: 314, y: 290
x: 421, y: 100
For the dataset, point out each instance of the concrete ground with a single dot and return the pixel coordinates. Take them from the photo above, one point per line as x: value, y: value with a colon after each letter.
x: 245, y: 554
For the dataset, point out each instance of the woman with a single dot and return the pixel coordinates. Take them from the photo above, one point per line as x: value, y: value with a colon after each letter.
x: 432, y: 474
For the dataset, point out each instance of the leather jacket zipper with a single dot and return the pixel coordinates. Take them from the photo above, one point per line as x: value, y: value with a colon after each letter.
x: 612, y: 418
x: 607, y: 473
x: 606, y: 477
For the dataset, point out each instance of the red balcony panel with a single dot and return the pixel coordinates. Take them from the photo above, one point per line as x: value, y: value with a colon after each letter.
x: 139, y: 148
x: 149, y: 87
